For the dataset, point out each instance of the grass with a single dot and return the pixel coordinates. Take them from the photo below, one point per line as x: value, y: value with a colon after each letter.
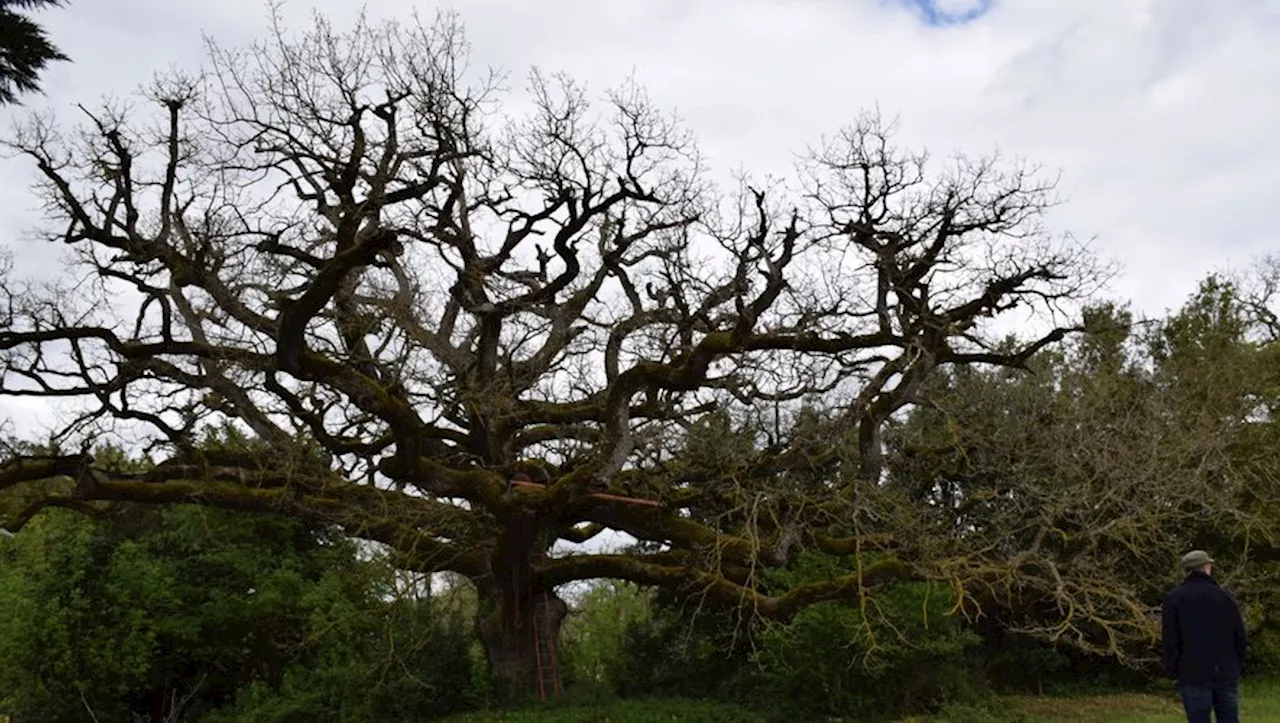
x: 1260, y: 701
x: 621, y: 711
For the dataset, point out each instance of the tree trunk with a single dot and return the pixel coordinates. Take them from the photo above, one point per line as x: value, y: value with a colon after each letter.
x: 513, y: 649
x: 519, y: 624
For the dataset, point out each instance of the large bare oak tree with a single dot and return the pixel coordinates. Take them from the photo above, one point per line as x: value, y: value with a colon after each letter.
x: 342, y: 243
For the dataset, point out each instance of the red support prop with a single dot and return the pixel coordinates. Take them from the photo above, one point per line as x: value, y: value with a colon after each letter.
x: 544, y: 649
x: 596, y: 495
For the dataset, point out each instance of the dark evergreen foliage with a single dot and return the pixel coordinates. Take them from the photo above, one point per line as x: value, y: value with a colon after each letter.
x: 25, y: 50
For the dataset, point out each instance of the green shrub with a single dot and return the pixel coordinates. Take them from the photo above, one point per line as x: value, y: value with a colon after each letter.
x: 684, y: 650
x: 1017, y: 663
x: 1261, y: 608
x: 256, y: 618
x: 411, y: 662
x: 905, y: 655
x: 123, y: 613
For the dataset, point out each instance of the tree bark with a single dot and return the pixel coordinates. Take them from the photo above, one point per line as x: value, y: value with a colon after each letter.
x: 513, y: 612
x: 509, y: 644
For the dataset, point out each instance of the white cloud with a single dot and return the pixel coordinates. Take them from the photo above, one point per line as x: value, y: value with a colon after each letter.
x: 955, y: 8
x: 1161, y: 113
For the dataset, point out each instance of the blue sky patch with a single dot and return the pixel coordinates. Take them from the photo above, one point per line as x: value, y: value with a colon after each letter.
x: 944, y: 13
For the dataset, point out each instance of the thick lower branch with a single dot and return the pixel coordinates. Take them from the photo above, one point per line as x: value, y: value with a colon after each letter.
x: 35, y: 508
x: 413, y: 527
x: 691, y: 580
x: 363, y: 523
x: 28, y: 469
x: 663, y: 525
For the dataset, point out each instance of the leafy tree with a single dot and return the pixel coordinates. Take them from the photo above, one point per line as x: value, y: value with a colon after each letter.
x: 164, y: 613
x: 340, y: 243
x: 596, y: 629
x: 1082, y: 481
x: 25, y: 50
x: 134, y: 612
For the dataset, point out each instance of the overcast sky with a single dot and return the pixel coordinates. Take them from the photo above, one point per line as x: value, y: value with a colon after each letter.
x: 1161, y: 114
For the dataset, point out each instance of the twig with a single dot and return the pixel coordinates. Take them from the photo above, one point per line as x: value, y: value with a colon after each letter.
x: 87, y: 708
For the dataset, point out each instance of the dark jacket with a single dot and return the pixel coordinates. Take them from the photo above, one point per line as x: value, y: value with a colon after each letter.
x: 1204, y: 636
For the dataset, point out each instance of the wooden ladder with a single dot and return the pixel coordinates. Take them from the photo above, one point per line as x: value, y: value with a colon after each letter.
x: 544, y: 648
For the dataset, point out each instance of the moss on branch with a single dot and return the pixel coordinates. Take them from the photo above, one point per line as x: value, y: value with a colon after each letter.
x: 663, y: 570
x: 410, y: 525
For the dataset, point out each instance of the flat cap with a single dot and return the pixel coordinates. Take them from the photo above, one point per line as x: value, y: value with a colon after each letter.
x: 1196, y: 558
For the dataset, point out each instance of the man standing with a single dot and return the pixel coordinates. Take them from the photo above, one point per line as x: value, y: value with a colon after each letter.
x: 1204, y: 642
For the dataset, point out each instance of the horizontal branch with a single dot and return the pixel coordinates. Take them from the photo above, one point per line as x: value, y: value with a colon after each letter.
x: 416, y: 527
x: 691, y: 580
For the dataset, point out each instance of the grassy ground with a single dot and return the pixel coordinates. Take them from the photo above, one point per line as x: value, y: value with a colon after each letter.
x: 623, y: 711
x: 1260, y: 701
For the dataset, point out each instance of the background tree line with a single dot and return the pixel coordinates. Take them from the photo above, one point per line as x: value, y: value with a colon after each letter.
x: 187, y: 613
